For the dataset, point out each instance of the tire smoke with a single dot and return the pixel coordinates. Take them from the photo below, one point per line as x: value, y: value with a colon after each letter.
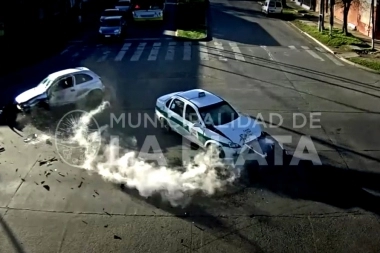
x: 206, y: 174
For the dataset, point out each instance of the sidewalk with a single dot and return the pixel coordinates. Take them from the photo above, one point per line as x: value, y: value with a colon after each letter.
x: 337, y: 24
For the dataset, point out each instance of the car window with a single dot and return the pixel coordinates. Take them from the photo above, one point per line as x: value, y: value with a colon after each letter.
x: 64, y: 83
x: 266, y: 4
x: 191, y: 115
x: 278, y: 4
x: 177, y: 107
x: 271, y: 4
x: 168, y: 103
x: 82, y: 78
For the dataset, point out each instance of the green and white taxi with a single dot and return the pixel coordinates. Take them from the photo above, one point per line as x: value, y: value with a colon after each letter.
x: 211, y: 122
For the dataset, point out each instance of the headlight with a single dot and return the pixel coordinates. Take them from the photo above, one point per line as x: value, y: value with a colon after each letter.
x: 117, y: 31
x: 100, y: 30
x: 19, y: 107
x: 234, y: 145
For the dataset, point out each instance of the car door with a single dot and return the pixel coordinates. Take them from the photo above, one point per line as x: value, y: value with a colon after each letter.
x: 193, y: 123
x: 62, y: 91
x: 84, y: 83
x: 278, y: 7
x: 175, y: 116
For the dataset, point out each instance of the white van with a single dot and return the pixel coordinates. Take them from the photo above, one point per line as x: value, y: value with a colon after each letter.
x: 272, y: 7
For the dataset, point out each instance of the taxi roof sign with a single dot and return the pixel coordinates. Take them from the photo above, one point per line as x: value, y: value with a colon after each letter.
x: 201, y: 94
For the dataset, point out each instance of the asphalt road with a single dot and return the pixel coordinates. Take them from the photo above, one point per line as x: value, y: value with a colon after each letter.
x: 262, y: 66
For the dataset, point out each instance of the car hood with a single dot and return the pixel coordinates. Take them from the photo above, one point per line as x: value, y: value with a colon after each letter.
x: 240, y: 131
x: 109, y: 29
x: 30, y: 94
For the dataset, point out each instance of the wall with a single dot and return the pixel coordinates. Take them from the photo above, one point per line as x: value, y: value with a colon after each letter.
x: 360, y: 16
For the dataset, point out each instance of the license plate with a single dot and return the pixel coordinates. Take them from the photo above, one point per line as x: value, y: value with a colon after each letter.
x: 107, y: 36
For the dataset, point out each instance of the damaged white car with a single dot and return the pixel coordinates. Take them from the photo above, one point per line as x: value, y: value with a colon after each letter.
x: 211, y: 122
x: 65, y: 87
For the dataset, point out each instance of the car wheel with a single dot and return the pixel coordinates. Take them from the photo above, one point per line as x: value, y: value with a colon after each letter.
x: 165, y: 125
x: 94, y: 99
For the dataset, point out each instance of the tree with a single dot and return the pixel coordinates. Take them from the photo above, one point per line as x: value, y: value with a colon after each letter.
x: 346, y: 5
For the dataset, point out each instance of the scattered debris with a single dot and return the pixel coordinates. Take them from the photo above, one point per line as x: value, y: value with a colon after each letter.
x: 58, y: 181
x: 30, y: 138
x: 94, y: 196
x: 83, y: 178
x: 47, y: 174
x: 106, y: 226
x: 84, y: 222
x: 16, y: 170
x: 80, y: 185
x: 72, y: 188
x: 2, y: 149
x: 47, y: 187
x: 96, y: 192
x: 42, y: 182
x: 36, y: 183
x: 22, y: 179
x: 48, y: 142
x: 181, y: 240
x: 48, y: 161
x: 116, y: 237
x: 59, y: 173
x: 107, y: 213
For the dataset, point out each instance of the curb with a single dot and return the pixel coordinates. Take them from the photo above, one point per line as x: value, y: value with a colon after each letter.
x: 313, y: 39
x: 358, y: 65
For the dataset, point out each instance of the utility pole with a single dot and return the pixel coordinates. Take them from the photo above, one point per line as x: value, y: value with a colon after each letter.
x: 373, y: 24
x: 323, y: 14
x: 332, y: 3
x: 320, y: 21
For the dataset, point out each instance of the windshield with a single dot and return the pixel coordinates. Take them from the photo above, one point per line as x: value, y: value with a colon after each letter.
x: 218, y: 114
x: 45, y: 83
x: 111, y: 13
x: 111, y: 22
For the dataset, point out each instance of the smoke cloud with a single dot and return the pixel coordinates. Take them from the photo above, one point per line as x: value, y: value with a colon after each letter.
x: 206, y: 174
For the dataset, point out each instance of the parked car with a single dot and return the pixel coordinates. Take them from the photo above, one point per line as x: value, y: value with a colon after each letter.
x: 123, y: 5
x: 271, y: 7
x: 209, y: 121
x: 65, y: 87
x: 113, y: 27
x: 111, y: 13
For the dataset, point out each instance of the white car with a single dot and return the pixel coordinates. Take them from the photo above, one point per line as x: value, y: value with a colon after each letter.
x: 64, y: 87
x: 272, y: 7
x: 209, y: 121
x: 146, y: 12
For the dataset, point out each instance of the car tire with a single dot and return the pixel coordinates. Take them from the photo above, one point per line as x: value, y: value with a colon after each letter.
x: 94, y: 99
x: 165, y: 126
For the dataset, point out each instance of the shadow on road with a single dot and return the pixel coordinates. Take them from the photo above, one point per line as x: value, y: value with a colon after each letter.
x: 11, y: 236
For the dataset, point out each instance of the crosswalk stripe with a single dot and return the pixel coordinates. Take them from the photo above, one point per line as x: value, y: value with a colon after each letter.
x: 305, y: 47
x: 203, y: 53
x: 237, y: 52
x: 292, y: 47
x: 104, y: 57
x: 314, y: 54
x: 170, y: 52
x: 187, y: 51
x: 122, y: 52
x: 154, y: 52
x: 136, y: 56
x: 333, y: 59
x: 219, y: 47
x: 320, y: 50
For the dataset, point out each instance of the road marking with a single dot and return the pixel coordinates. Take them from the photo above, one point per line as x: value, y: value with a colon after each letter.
x: 305, y: 47
x: 187, y: 51
x: 171, y: 51
x: 237, y: 52
x: 122, y: 52
x: 333, y: 59
x: 140, y: 49
x: 203, y: 53
x: 268, y: 52
x: 104, y: 57
x: 292, y: 47
x: 314, y: 54
x: 154, y: 52
x: 320, y: 50
x: 169, y: 32
x: 219, y: 49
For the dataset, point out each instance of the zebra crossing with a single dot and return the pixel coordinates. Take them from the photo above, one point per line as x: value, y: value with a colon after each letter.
x: 203, y: 51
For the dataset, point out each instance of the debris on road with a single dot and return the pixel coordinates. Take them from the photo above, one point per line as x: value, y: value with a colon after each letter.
x: 58, y: 181
x: 106, y: 226
x: 42, y: 182
x: 48, y: 162
x: 96, y: 192
x: 22, y: 179
x: 116, y: 237
x: 36, y: 183
x: 16, y: 170
x: 2, y: 149
x: 80, y: 185
x: 84, y: 222
x: 59, y: 173
x: 30, y: 138
x: 49, y: 142
x: 47, y: 173
x: 47, y: 187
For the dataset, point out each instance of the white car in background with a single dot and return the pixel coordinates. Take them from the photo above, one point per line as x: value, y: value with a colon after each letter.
x: 272, y: 7
x: 65, y: 87
x: 209, y: 121
x: 123, y: 5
